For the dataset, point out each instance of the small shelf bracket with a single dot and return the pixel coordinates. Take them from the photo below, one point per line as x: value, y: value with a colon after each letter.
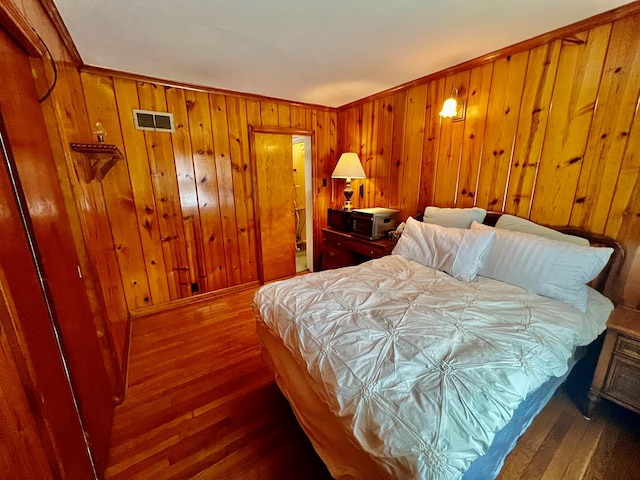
x: 97, y: 159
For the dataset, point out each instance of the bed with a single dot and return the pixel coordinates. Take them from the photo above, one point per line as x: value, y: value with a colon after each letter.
x: 397, y: 369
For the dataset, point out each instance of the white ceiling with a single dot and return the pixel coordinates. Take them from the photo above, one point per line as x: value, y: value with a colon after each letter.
x: 327, y: 52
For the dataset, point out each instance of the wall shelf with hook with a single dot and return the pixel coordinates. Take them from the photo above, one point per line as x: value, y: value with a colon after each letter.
x: 97, y: 159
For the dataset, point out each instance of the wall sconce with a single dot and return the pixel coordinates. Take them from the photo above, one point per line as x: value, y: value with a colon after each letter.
x: 348, y: 167
x: 450, y: 106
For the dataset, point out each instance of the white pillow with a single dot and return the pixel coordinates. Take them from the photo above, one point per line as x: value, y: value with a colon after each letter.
x: 517, y: 224
x: 454, y: 217
x: 549, y: 268
x: 456, y: 251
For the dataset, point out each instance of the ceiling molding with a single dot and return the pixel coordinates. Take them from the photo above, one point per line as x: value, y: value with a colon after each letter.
x: 197, y: 88
x: 586, y: 24
x: 56, y: 19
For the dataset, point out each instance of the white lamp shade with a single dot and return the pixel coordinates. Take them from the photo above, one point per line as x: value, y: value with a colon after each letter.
x: 449, y: 108
x: 349, y: 166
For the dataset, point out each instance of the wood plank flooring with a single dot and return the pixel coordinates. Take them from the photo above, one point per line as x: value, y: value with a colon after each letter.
x: 201, y: 404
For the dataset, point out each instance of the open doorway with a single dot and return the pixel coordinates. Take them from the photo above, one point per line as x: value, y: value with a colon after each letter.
x: 283, y: 199
x: 302, y: 202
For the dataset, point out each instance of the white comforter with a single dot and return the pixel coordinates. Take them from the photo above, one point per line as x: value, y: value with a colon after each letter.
x: 423, y: 368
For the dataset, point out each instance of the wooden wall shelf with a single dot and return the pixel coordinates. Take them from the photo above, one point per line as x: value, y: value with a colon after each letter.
x: 98, y: 158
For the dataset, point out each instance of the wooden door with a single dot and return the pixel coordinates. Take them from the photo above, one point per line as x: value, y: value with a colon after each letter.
x: 29, y: 335
x: 274, y: 174
x: 25, y: 451
x: 40, y: 262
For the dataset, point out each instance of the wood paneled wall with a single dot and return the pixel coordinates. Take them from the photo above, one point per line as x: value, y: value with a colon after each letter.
x: 180, y: 207
x: 179, y: 210
x: 551, y: 133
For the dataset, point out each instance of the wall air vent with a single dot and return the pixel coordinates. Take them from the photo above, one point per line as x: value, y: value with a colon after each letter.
x: 155, y: 121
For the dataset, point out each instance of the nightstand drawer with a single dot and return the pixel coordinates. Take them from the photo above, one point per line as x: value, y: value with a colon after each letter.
x: 333, y: 240
x: 367, y: 249
x: 628, y: 346
x: 617, y: 375
x: 335, y: 258
x: 342, y: 249
x: 623, y: 381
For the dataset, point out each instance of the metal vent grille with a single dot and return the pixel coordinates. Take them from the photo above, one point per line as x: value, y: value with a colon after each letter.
x: 156, y: 121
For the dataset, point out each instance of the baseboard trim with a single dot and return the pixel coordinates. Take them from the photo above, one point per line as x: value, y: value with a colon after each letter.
x: 203, y: 297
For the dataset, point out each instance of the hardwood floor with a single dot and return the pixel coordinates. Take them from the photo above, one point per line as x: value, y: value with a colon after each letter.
x: 562, y: 444
x: 201, y: 404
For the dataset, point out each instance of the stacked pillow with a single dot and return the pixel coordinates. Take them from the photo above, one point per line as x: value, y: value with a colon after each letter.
x: 551, y: 268
x: 519, y: 252
x: 454, y: 217
x: 456, y: 251
x: 517, y: 224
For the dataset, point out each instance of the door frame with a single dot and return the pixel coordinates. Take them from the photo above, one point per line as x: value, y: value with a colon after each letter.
x: 60, y: 385
x: 308, y: 199
x: 36, y: 339
x: 253, y: 130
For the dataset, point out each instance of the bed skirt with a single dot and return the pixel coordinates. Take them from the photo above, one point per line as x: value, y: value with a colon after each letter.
x: 337, y: 447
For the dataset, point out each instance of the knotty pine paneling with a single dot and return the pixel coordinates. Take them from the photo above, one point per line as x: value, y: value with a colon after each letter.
x: 242, y: 187
x: 165, y: 191
x: 144, y: 206
x: 180, y: 206
x: 505, y: 97
x: 414, y: 138
x: 573, y: 103
x: 324, y: 124
x: 226, y: 192
x: 532, y: 124
x: 449, y: 152
x: 551, y: 133
x: 474, y: 128
x: 101, y: 104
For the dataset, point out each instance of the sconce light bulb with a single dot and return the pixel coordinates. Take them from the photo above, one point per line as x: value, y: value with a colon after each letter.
x: 449, y: 108
x: 99, y: 132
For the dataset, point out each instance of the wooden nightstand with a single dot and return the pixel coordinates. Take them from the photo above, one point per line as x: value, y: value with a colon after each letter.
x: 617, y: 376
x: 340, y: 249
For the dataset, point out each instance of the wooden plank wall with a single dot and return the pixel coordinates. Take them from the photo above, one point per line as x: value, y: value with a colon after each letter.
x: 179, y: 210
x: 180, y: 207
x: 550, y: 133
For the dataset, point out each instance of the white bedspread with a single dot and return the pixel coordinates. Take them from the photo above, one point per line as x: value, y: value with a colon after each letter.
x: 423, y: 368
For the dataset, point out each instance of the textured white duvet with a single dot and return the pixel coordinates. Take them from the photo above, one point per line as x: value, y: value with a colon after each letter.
x: 423, y: 368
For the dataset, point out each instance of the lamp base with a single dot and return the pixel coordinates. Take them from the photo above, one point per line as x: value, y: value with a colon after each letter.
x: 348, y: 193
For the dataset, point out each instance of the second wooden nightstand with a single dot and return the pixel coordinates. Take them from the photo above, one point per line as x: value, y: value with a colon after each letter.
x: 617, y: 376
x: 340, y: 249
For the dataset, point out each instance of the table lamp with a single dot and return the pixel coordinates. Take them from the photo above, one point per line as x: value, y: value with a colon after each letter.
x: 348, y: 167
